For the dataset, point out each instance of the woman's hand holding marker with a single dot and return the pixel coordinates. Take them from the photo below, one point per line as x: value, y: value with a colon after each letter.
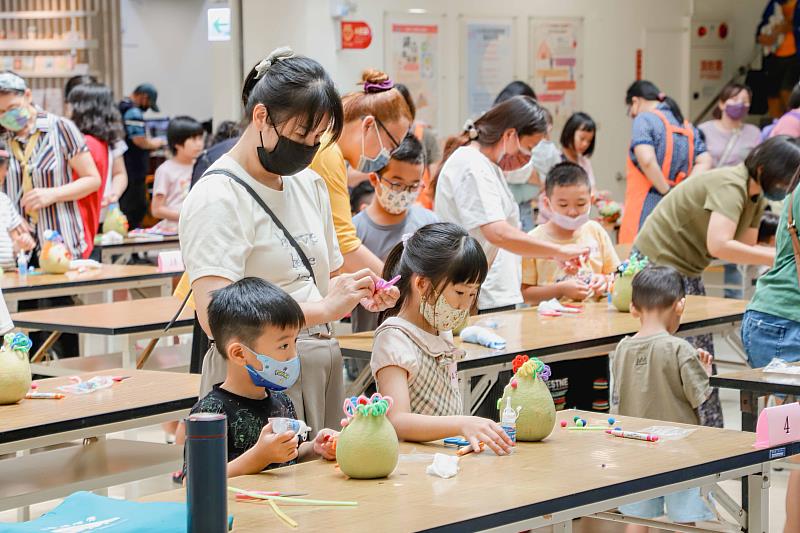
x: 346, y: 290
x: 384, y: 297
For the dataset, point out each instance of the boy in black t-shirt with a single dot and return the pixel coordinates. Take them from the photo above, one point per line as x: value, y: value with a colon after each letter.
x: 255, y: 326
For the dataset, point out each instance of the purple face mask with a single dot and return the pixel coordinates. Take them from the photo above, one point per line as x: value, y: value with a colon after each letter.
x: 736, y: 111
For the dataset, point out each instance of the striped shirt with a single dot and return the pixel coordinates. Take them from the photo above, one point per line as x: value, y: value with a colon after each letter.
x: 9, y: 219
x: 57, y: 144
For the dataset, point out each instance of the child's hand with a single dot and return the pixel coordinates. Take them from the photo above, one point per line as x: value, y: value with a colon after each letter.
x: 22, y: 239
x: 599, y: 284
x: 276, y: 449
x: 323, y: 444
x: 574, y: 289
x: 477, y: 430
x: 705, y: 359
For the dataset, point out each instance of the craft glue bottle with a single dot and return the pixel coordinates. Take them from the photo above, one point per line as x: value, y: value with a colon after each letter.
x: 22, y: 265
x: 508, y: 420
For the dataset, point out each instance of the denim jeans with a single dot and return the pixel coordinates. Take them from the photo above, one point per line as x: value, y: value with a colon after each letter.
x: 766, y: 336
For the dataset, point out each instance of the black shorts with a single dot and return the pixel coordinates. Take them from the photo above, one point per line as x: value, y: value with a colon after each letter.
x: 783, y: 74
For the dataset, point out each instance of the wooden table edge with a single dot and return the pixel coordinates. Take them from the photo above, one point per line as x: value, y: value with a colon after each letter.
x: 617, y: 490
x: 49, y: 326
x: 80, y: 283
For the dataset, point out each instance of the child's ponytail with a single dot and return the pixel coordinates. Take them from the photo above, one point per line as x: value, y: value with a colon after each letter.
x: 442, y: 252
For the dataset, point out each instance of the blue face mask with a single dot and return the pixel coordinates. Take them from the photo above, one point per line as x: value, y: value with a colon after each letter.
x: 369, y: 165
x: 276, y: 375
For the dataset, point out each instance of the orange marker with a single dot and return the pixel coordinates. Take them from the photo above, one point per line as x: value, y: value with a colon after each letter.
x: 468, y: 449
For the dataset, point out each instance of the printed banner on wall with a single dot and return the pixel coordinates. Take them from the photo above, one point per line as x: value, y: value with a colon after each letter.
x: 556, y: 65
x: 489, y: 62
x: 412, y: 56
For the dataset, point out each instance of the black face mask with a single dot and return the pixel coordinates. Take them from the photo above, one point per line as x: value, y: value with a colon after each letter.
x: 288, y: 157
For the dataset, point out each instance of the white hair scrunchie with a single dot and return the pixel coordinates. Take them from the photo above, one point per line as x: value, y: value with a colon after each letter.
x: 472, y: 131
x: 279, y: 54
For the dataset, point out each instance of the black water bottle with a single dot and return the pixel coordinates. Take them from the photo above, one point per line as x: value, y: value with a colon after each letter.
x: 206, y: 473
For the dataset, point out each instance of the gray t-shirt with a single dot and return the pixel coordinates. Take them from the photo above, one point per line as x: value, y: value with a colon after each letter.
x: 380, y: 240
x: 658, y: 377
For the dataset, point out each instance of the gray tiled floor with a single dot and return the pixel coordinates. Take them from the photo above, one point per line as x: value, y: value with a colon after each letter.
x: 730, y: 406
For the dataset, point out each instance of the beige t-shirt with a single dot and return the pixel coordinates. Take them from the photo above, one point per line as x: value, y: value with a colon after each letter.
x: 602, y: 256
x: 430, y: 361
x: 225, y: 233
x: 658, y: 377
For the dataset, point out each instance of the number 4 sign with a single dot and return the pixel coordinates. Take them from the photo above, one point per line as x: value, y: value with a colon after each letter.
x: 778, y: 425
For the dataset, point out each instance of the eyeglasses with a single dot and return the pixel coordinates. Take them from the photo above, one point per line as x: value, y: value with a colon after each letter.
x: 386, y: 131
x: 399, y: 187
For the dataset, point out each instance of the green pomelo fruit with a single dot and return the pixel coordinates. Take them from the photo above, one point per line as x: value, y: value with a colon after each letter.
x: 367, y: 447
x: 538, y: 414
x: 15, y: 376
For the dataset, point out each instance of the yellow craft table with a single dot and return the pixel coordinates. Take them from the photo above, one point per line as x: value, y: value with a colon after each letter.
x: 595, y: 331
x: 144, y: 398
x: 569, y: 475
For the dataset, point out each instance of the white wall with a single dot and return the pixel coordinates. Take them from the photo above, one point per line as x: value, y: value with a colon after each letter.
x: 613, y: 30
x: 164, y: 43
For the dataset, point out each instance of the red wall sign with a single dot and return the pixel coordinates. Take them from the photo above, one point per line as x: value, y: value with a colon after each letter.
x: 355, y: 34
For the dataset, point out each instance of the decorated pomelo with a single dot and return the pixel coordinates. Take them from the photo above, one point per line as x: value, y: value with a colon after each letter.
x: 623, y: 282
x: 115, y: 221
x: 530, y: 398
x: 54, y: 257
x: 15, y: 370
x: 367, y: 447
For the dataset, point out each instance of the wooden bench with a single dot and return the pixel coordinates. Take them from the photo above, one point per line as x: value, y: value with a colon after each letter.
x: 55, y: 474
x: 169, y: 358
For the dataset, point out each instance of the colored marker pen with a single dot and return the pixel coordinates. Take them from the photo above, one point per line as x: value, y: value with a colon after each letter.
x: 633, y: 435
x: 44, y: 396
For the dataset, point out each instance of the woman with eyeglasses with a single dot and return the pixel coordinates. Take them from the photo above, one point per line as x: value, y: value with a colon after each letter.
x: 665, y: 149
x: 472, y: 191
x: 393, y: 211
x: 376, y: 119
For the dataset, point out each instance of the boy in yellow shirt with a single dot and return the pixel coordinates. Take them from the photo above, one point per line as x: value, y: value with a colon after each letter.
x: 568, y: 195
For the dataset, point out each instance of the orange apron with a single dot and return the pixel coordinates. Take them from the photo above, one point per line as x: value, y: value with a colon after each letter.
x: 638, y: 185
x: 425, y: 198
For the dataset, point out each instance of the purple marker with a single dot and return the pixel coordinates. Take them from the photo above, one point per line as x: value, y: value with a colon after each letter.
x: 383, y: 285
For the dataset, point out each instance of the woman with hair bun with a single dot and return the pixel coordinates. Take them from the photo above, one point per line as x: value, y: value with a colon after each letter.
x: 376, y: 119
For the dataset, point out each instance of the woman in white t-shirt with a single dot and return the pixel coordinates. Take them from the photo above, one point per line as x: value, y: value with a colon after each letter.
x: 226, y: 233
x: 471, y: 191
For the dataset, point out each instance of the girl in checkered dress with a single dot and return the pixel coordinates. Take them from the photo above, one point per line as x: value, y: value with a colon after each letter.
x: 414, y: 358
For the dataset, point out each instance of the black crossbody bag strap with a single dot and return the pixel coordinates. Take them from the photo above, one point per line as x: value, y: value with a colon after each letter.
x: 275, y: 220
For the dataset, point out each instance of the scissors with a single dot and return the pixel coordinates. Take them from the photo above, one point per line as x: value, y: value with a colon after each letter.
x: 456, y: 441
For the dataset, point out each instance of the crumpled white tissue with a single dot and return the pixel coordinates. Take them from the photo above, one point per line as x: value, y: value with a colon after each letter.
x: 444, y: 466
x: 548, y: 306
x: 111, y: 237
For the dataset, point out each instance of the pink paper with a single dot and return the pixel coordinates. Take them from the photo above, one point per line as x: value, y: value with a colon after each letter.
x: 778, y: 425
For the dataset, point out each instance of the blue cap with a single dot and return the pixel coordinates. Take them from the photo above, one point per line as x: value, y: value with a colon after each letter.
x: 151, y: 92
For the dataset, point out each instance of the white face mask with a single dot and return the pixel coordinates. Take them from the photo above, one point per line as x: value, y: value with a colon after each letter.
x: 520, y: 175
x: 569, y: 223
x: 395, y: 202
x: 442, y: 316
